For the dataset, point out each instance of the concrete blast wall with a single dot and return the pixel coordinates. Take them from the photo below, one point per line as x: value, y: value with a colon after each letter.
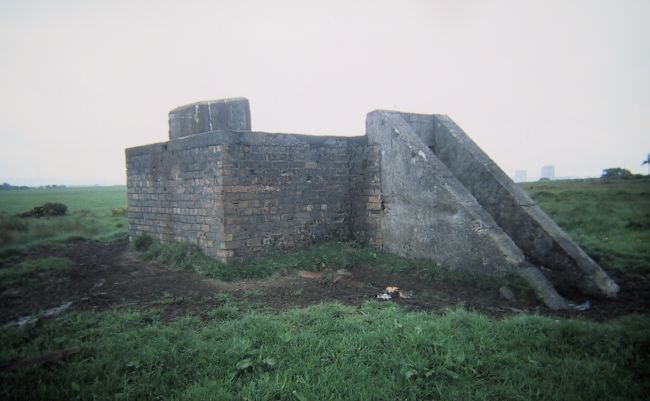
x: 447, y: 201
x: 415, y: 185
x: 539, y: 237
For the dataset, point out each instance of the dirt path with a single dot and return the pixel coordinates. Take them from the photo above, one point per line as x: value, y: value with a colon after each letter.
x: 107, y: 275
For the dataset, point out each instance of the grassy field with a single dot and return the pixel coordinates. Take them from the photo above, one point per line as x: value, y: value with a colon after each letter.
x: 331, y: 351
x: 609, y: 219
x: 93, y: 212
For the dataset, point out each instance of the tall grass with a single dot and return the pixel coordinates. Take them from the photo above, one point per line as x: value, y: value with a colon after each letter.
x: 330, y: 352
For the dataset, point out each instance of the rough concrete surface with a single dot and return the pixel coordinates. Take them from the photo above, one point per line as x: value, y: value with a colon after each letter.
x: 536, y: 234
x: 212, y: 115
x: 430, y: 214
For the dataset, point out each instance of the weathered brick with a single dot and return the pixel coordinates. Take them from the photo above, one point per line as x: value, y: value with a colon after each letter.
x: 254, y: 192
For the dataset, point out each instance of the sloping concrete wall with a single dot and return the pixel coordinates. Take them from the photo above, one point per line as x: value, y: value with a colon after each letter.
x: 536, y: 234
x: 429, y: 214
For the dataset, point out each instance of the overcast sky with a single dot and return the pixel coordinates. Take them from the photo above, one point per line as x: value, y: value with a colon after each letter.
x: 533, y: 83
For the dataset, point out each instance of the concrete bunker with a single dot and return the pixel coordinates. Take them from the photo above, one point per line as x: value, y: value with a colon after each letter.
x: 415, y: 185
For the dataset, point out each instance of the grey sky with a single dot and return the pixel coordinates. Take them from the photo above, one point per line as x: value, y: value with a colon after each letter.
x: 533, y: 83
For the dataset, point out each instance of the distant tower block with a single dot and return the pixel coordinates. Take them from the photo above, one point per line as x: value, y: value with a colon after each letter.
x: 521, y: 176
x: 224, y: 114
x: 548, y: 172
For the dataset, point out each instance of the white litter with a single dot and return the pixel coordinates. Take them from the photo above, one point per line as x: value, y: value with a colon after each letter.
x: 384, y: 297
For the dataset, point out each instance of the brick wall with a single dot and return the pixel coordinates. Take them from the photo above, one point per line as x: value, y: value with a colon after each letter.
x: 365, y: 193
x: 172, y: 194
x: 239, y: 195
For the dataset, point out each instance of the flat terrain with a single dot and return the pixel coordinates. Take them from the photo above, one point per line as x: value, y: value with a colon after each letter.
x: 87, y: 317
x: 104, y: 275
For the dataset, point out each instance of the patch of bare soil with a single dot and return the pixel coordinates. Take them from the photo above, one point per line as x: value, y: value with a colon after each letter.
x: 107, y: 275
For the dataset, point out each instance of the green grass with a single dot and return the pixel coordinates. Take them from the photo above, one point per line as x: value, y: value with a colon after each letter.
x: 330, y: 255
x: 91, y: 198
x: 186, y: 256
x: 93, y: 213
x: 609, y: 219
x: 329, y: 352
x: 34, y: 272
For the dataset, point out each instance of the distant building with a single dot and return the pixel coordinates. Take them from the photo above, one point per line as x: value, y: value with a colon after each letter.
x: 521, y: 176
x: 548, y: 172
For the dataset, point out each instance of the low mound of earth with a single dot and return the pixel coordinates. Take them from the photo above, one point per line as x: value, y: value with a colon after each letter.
x: 107, y: 275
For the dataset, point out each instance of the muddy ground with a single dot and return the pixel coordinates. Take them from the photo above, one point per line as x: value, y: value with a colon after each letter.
x: 108, y: 275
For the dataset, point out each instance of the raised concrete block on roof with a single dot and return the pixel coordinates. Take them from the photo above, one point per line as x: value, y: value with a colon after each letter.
x: 211, y: 115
